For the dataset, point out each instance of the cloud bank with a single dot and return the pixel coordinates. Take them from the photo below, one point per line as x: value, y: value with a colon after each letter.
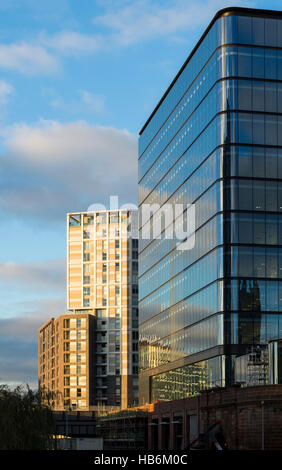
x: 52, y: 168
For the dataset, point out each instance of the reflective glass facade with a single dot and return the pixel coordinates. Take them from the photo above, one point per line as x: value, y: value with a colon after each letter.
x: 214, y: 140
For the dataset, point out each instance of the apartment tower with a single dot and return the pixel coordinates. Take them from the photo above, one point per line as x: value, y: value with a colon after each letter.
x: 214, y: 140
x: 102, y: 292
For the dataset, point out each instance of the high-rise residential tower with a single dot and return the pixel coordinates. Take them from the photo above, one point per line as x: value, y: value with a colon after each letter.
x: 214, y: 140
x: 102, y: 270
x: 96, y: 366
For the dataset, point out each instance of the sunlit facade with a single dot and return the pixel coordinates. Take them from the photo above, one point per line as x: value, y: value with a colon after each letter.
x: 214, y: 140
x: 102, y: 280
x: 66, y: 361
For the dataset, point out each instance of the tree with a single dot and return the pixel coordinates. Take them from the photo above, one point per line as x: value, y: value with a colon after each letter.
x: 26, y: 419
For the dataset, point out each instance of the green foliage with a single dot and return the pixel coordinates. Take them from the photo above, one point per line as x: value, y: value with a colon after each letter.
x: 26, y: 419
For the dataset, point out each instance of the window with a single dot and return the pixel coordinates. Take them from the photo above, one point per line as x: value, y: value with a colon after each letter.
x: 88, y: 219
x: 116, y: 243
x: 78, y: 323
x: 75, y: 220
x: 86, y: 268
x: 79, y: 392
x: 86, y: 246
x: 78, y: 358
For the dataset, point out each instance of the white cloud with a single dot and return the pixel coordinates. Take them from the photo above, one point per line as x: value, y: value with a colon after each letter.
x: 121, y: 25
x: 132, y: 22
x: 86, y: 103
x: 47, y: 276
x: 93, y: 102
x: 52, y: 168
x: 28, y: 59
x: 5, y: 91
x: 125, y: 23
x: 72, y: 43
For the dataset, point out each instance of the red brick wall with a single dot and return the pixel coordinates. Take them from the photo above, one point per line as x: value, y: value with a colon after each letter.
x: 239, y: 410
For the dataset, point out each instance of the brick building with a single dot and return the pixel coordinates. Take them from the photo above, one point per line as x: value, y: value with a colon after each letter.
x: 251, y: 418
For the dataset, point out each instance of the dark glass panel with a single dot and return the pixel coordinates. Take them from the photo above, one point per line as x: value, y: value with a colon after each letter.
x: 245, y: 261
x: 245, y: 295
x: 280, y: 264
x: 272, y: 296
x: 279, y: 162
x: 244, y: 128
x: 244, y: 26
x: 271, y: 196
x: 270, y: 32
x: 271, y: 229
x: 271, y: 163
x: 280, y: 230
x: 245, y: 228
x: 244, y: 161
x: 245, y: 95
x: 259, y: 262
x: 258, y: 163
x: 259, y: 195
x: 270, y: 130
x: 245, y: 194
x: 258, y: 129
x: 279, y: 93
x: 271, y: 64
x: 258, y: 96
x: 259, y: 229
x: 258, y: 31
x: 260, y: 287
x: 271, y: 263
x: 279, y: 65
x: 271, y: 97
x: 258, y: 63
x: 279, y: 131
x: 245, y: 330
x: 244, y: 62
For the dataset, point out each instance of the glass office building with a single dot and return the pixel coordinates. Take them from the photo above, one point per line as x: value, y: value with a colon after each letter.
x: 215, y: 141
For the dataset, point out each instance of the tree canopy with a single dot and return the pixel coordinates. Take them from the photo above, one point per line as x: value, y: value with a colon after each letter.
x: 26, y: 419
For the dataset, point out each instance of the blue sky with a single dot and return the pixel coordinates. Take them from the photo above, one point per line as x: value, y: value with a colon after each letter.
x: 78, y: 79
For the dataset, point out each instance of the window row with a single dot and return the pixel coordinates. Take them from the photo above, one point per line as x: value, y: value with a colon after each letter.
x: 228, y: 61
x: 198, y: 306
x: 204, y: 335
x: 249, y: 261
x: 254, y: 295
x: 188, y: 380
x: 252, y: 329
x: 254, y: 228
x: 197, y: 213
x: 256, y: 195
x: 200, y: 274
x: 204, y: 240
